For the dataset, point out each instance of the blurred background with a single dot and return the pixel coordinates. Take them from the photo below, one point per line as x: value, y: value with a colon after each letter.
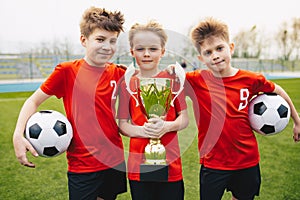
x: 36, y: 35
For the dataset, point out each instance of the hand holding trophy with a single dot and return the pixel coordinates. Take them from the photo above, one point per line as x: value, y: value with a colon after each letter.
x: 155, y: 96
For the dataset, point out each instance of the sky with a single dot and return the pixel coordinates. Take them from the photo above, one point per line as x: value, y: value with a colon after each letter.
x: 27, y: 22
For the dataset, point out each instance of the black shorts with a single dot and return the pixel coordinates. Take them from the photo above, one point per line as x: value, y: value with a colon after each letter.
x: 157, y: 190
x: 244, y: 184
x: 106, y: 184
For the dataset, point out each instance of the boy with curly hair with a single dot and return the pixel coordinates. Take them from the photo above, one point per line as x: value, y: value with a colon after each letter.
x: 96, y: 167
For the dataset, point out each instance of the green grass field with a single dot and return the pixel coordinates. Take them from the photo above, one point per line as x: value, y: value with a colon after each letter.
x: 280, y: 159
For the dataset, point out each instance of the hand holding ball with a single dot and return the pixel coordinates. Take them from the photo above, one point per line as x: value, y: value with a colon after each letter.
x: 49, y: 132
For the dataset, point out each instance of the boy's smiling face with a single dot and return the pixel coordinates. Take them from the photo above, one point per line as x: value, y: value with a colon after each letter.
x: 147, y: 50
x: 216, y: 55
x: 100, y: 47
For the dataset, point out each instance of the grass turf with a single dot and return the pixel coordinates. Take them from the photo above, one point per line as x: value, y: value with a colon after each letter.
x: 280, y: 160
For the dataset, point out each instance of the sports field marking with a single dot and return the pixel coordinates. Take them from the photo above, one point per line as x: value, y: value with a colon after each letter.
x: 13, y: 99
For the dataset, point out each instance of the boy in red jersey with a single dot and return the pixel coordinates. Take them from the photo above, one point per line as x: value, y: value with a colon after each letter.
x: 147, y: 46
x: 228, y: 148
x: 96, y: 167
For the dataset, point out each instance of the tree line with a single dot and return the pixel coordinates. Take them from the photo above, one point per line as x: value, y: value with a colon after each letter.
x: 254, y: 42
x: 283, y: 45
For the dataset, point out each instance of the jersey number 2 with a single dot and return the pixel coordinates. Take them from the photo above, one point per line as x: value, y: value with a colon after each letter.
x: 114, y: 85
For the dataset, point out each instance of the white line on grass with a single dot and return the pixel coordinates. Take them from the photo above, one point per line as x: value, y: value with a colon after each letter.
x: 13, y: 99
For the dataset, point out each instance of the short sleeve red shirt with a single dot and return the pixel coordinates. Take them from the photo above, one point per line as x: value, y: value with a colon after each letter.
x: 89, y: 95
x: 129, y: 110
x: 225, y: 138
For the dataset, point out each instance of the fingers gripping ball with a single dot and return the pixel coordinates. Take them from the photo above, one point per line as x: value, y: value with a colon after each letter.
x: 269, y: 114
x: 49, y: 132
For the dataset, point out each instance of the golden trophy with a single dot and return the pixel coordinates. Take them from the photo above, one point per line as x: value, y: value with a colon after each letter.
x: 155, y: 96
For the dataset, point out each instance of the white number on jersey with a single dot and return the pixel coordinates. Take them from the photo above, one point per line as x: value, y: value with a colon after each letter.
x: 244, y: 94
x: 113, y: 84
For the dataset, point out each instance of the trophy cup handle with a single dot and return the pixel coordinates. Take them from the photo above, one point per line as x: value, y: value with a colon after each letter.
x: 180, y: 73
x: 128, y: 74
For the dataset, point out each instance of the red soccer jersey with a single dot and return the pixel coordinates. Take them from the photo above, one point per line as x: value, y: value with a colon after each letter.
x: 129, y: 110
x: 89, y: 95
x: 225, y: 138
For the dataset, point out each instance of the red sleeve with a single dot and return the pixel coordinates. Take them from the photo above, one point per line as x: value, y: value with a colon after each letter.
x: 124, y: 96
x: 263, y: 85
x: 192, y: 80
x: 54, y: 84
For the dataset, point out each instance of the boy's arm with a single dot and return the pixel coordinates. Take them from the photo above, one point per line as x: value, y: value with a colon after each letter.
x: 130, y: 130
x: 294, y: 114
x: 21, y: 144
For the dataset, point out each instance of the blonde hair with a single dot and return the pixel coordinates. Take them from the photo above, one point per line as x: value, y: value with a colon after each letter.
x: 94, y: 18
x: 151, y: 26
x: 208, y: 28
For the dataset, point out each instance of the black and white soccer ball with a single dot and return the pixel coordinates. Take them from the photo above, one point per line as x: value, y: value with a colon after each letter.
x: 49, y: 132
x: 268, y: 113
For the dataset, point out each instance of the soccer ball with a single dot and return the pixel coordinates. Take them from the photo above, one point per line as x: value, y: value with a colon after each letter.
x: 49, y: 132
x: 268, y: 113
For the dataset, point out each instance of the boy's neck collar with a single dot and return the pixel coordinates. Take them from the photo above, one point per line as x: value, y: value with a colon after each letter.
x: 232, y: 72
x: 148, y: 74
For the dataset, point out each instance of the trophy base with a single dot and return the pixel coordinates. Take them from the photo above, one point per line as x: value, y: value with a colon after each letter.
x: 154, y: 173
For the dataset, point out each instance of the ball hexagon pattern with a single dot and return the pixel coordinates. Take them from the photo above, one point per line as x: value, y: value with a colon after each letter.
x: 49, y: 132
x: 268, y: 113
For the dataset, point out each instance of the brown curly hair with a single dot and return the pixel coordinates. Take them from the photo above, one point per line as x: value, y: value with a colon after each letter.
x: 94, y: 18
